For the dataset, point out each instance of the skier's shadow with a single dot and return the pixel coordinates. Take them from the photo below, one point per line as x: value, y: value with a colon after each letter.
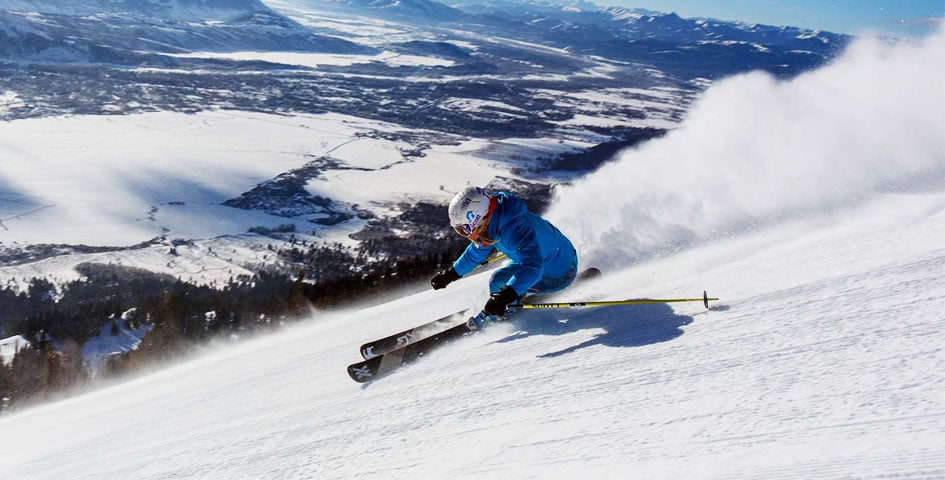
x: 623, y: 326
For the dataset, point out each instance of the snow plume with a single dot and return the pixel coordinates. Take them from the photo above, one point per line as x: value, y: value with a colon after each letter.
x: 756, y: 151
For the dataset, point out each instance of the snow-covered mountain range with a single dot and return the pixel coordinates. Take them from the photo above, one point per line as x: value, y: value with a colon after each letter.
x: 173, y: 9
x: 118, y: 32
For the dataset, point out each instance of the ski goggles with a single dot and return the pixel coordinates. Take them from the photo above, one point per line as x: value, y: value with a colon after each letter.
x: 464, y: 230
x: 473, y: 234
x: 470, y: 233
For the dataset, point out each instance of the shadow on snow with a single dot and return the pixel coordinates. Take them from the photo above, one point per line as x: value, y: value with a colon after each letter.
x: 624, y: 326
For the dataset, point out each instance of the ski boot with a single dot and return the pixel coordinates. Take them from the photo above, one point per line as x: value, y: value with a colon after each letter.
x: 480, y: 321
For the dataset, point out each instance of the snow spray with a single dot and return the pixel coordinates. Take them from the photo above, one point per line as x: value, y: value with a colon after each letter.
x: 754, y: 150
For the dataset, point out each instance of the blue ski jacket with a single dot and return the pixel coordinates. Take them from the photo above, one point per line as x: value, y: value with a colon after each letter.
x: 536, y: 248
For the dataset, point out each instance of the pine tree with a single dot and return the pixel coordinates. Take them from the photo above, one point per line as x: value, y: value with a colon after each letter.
x: 28, y: 375
x: 6, y: 385
x: 298, y: 300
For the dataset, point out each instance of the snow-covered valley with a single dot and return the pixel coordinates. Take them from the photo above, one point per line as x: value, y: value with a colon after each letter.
x: 160, y: 179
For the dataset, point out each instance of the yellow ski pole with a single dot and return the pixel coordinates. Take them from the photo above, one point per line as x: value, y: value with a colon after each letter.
x: 638, y: 301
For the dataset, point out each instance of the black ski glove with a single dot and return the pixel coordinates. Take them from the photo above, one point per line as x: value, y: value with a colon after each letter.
x: 444, y: 278
x: 499, y: 301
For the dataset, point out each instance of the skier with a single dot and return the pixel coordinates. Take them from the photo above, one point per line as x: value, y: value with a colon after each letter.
x: 543, y: 260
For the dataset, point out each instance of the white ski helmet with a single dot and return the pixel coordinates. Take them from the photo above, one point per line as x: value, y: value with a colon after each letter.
x: 468, y: 209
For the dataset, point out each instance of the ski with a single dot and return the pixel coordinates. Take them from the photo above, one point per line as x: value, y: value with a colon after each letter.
x: 398, y: 340
x: 380, y: 365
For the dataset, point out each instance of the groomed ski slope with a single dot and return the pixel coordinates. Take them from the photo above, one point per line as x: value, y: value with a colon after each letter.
x: 823, y: 359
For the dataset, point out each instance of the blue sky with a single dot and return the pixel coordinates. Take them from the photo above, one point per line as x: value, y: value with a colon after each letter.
x: 901, y: 18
